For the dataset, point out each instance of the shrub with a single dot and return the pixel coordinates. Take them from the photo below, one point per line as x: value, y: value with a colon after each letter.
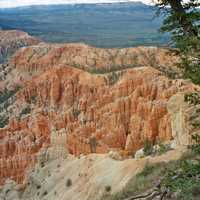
x: 3, y: 121
x: 68, y: 182
x: 42, y: 164
x: 192, y: 98
x: 183, y: 179
x: 177, y: 179
x: 191, y: 69
x: 32, y: 99
x: 76, y: 113
x: 148, y: 147
x: 148, y: 169
x: 113, y: 68
x: 45, y: 193
x: 38, y: 187
x: 25, y: 111
x: 98, y: 70
x: 108, y: 188
x: 7, y: 191
x: 6, y: 94
x: 113, y: 78
x: 163, y: 148
x: 6, y: 104
x: 195, y: 147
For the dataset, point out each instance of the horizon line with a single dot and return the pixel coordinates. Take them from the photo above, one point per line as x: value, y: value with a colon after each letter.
x: 8, y: 4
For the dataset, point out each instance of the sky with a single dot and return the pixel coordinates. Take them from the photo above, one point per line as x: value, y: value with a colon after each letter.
x: 19, y: 3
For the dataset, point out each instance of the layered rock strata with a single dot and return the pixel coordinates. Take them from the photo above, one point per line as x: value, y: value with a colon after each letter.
x: 83, y: 100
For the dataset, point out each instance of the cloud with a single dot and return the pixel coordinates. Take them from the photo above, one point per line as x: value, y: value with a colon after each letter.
x: 19, y: 3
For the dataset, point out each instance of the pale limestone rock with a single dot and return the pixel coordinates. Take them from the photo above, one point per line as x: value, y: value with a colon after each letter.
x: 114, y: 155
x: 180, y: 131
x: 139, y: 154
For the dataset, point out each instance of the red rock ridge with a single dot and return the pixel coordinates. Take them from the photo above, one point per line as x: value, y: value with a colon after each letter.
x: 78, y: 106
x: 85, y: 57
x: 85, y: 112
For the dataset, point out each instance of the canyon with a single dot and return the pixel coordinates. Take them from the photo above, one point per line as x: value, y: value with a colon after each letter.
x: 71, y: 109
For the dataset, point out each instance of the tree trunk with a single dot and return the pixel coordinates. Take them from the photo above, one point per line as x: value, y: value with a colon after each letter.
x: 186, y: 24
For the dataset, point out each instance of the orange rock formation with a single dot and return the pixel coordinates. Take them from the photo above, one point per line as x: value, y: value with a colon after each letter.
x: 81, y: 111
x: 11, y: 41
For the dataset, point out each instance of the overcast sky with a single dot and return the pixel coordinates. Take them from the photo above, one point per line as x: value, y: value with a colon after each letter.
x: 18, y: 3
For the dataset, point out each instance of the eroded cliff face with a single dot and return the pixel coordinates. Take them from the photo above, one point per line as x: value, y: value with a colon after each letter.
x: 11, y: 41
x: 85, y: 100
x: 84, y: 56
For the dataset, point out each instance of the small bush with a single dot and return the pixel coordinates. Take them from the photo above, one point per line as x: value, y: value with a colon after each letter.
x: 183, y: 179
x: 3, y: 121
x: 98, y: 70
x: 108, y: 188
x: 38, y: 187
x: 32, y: 99
x: 42, y: 164
x: 113, y: 68
x: 76, y: 113
x: 45, y: 193
x: 148, y: 147
x: 7, y: 191
x: 49, y: 174
x: 148, y: 169
x: 68, y: 182
x: 25, y: 111
x: 192, y: 98
x: 163, y: 148
x: 6, y: 94
x: 113, y: 78
x: 195, y: 147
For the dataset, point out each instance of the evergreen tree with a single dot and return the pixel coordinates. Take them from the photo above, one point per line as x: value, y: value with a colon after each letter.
x: 183, y: 22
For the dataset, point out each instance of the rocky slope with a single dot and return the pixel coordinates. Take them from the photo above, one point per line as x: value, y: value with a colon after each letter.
x: 95, y: 60
x: 11, y: 41
x: 77, y: 99
x: 88, y: 177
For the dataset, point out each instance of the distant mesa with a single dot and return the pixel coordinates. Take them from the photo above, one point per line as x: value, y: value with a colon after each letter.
x: 22, y: 3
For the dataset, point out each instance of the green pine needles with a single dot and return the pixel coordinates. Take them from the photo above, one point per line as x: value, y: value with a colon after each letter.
x: 183, y: 22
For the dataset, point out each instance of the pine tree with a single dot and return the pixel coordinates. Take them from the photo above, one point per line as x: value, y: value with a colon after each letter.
x: 183, y: 22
